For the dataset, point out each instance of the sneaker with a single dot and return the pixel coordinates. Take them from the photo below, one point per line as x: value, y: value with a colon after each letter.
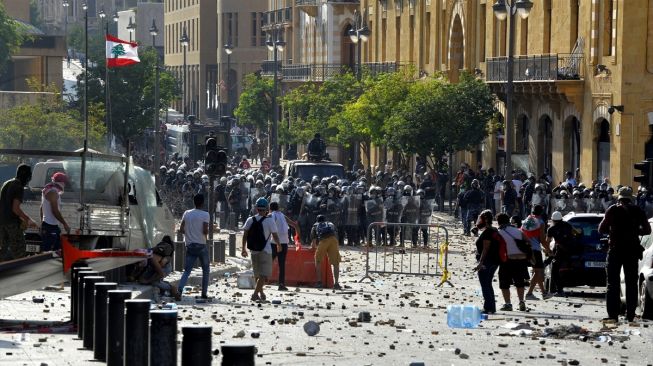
x: 336, y: 286
x: 506, y: 307
x: 255, y: 297
x: 547, y: 296
x: 487, y: 312
x: 283, y: 288
x: 531, y: 297
x: 262, y: 297
x: 522, y: 306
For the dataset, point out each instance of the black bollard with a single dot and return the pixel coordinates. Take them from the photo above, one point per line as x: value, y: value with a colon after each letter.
x: 80, y: 299
x: 179, y: 254
x: 163, y: 338
x: 238, y: 355
x: 196, y: 345
x: 232, y: 244
x: 116, y: 326
x: 100, y: 319
x: 136, y: 339
x: 89, y: 309
x: 73, y: 289
x: 220, y: 249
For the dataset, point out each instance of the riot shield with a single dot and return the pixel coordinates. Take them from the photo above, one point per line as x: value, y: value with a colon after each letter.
x: 565, y: 206
x: 393, y: 209
x: 410, y: 213
x: 579, y: 205
x: 334, y: 211
x: 244, y: 196
x: 281, y: 199
x: 374, y: 210
x: 648, y: 209
x: 425, y: 211
x: 353, y: 203
x: 594, y: 205
x: 307, y: 217
x: 542, y: 200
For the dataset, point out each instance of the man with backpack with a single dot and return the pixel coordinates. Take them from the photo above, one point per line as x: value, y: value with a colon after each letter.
x: 258, y: 230
x: 324, y: 237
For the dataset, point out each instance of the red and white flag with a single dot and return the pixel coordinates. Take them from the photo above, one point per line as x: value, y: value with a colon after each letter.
x: 121, y: 53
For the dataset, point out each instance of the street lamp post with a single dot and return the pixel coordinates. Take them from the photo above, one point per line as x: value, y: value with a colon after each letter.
x: 275, y: 43
x: 228, y: 49
x: 503, y: 8
x: 83, y: 170
x: 184, y: 40
x: 103, y: 15
x: 358, y: 34
x: 65, y: 25
x: 155, y: 162
x: 131, y: 27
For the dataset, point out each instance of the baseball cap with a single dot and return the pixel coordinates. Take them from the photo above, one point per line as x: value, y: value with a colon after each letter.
x: 556, y: 216
x: 261, y: 203
x: 60, y: 177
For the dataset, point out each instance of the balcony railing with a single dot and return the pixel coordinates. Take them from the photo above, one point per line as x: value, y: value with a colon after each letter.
x: 536, y: 68
x: 321, y: 72
x: 318, y: 2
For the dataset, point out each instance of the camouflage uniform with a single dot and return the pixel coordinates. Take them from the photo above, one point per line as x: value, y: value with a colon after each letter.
x: 12, y: 241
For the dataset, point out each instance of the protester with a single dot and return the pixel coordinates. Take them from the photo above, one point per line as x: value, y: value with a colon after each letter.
x: 534, y: 228
x: 159, y: 266
x: 474, y: 200
x: 51, y: 213
x: 487, y: 258
x: 13, y: 220
x: 282, y: 221
x: 258, y: 230
x: 195, y: 227
x: 324, y: 237
x: 623, y: 222
x: 563, y: 234
x: 511, y: 271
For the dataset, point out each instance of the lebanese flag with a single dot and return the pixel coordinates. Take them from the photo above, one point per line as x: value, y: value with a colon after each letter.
x: 121, y: 53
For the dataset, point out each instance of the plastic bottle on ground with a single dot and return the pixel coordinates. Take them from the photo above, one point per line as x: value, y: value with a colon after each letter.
x: 464, y: 316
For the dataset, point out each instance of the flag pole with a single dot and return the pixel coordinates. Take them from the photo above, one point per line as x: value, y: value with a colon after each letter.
x: 107, y: 97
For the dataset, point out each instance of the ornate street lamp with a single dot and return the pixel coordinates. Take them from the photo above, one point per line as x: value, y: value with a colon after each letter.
x: 275, y: 44
x: 503, y: 8
x: 184, y: 40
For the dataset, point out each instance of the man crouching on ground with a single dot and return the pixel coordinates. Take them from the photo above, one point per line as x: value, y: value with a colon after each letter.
x: 256, y: 237
x: 325, y: 237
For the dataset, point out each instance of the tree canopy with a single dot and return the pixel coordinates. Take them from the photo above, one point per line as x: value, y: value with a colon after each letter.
x: 49, y: 124
x: 255, y: 103
x: 12, y: 35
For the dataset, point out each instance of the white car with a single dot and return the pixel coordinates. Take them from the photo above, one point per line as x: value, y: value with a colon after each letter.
x: 645, y: 278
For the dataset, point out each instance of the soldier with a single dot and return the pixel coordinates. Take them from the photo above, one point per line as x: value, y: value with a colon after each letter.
x: 410, y: 216
x: 393, y: 210
x: 425, y: 212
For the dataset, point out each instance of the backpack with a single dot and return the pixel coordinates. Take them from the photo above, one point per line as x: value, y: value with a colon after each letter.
x: 503, y: 250
x: 324, y: 230
x: 256, y: 239
x: 164, y: 249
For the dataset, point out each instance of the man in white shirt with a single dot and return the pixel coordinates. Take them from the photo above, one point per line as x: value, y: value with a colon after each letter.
x: 195, y: 227
x: 50, y: 213
x: 282, y: 221
x: 258, y: 230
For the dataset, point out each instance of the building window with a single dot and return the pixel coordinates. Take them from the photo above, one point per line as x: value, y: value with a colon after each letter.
x: 523, y: 37
x: 261, y: 35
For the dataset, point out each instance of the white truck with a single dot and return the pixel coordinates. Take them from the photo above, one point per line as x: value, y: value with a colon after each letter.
x: 104, y: 212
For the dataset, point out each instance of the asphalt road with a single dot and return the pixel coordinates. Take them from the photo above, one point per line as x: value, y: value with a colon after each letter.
x: 408, y: 323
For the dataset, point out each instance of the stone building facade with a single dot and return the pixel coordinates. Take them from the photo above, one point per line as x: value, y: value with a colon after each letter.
x: 583, y: 72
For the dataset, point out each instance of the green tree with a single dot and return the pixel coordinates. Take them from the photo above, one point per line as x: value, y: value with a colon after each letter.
x: 49, y: 124
x: 131, y: 91
x: 12, y: 35
x: 35, y: 17
x: 437, y: 117
x: 255, y: 103
x: 365, y: 118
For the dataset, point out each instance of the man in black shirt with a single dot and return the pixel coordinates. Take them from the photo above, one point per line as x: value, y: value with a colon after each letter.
x: 12, y: 218
x: 563, y: 234
x: 624, y: 222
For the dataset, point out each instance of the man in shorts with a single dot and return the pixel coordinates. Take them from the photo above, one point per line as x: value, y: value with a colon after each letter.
x: 258, y: 230
x: 324, y: 237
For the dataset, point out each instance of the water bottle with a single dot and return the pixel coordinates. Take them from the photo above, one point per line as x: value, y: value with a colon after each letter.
x: 464, y: 316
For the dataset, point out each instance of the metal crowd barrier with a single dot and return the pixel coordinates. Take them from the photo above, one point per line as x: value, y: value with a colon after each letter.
x: 398, y: 248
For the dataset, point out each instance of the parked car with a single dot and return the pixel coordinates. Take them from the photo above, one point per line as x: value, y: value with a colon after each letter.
x: 645, y: 278
x: 586, y: 265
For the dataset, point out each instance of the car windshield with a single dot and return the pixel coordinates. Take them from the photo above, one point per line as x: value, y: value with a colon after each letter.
x: 306, y: 172
x: 588, y: 227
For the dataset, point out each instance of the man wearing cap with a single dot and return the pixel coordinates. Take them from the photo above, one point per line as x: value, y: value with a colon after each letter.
x: 324, y: 237
x: 51, y: 213
x: 563, y: 234
x: 12, y: 218
x: 623, y: 222
x: 258, y: 230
